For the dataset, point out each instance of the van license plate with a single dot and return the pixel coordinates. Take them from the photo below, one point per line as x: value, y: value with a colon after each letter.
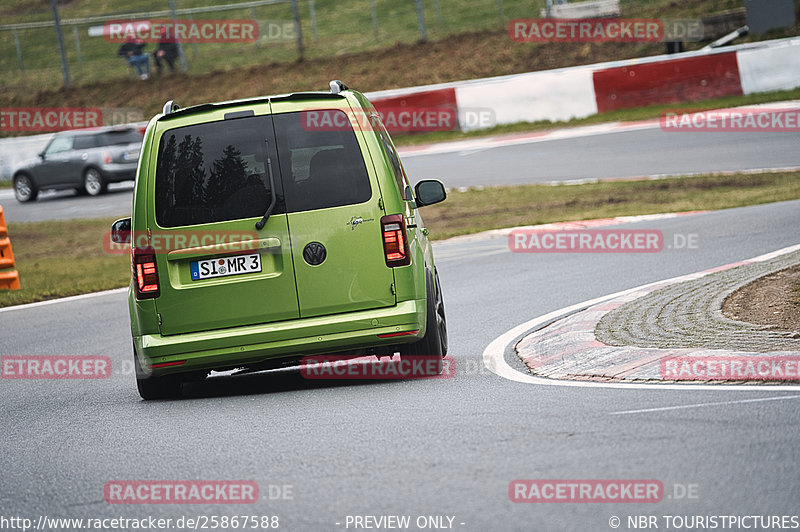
x: 225, y: 266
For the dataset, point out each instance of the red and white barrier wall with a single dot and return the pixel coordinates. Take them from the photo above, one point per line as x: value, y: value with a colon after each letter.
x: 578, y: 92
x: 574, y: 92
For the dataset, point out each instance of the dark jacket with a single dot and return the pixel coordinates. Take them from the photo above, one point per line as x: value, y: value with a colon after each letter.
x: 137, y: 48
x: 170, y: 50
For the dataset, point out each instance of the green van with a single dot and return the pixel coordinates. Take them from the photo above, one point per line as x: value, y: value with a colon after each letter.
x: 269, y: 229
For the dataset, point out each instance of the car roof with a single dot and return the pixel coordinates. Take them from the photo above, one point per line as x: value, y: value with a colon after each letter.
x: 172, y: 111
x: 96, y: 130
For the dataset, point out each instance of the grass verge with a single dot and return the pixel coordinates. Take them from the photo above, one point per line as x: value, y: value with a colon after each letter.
x: 67, y: 258
x: 63, y: 259
x: 475, y: 210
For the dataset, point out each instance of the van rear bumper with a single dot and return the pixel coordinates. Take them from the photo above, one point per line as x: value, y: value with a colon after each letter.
x: 254, y: 344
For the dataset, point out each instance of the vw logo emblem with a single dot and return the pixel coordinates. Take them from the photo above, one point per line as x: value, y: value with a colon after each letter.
x: 314, y: 253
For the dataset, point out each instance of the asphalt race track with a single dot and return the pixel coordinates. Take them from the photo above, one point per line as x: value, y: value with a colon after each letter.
x: 603, y: 153
x: 446, y: 447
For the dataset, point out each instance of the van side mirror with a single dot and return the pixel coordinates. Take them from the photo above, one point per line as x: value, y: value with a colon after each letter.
x: 121, y: 231
x: 429, y: 191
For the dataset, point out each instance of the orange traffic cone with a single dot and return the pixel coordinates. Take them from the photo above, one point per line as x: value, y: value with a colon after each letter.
x: 9, y: 276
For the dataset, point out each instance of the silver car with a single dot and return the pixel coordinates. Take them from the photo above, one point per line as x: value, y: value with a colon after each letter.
x: 86, y: 160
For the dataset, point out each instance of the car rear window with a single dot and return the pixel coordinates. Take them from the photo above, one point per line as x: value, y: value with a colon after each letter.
x: 84, y: 142
x: 321, y: 168
x: 116, y: 138
x: 216, y: 172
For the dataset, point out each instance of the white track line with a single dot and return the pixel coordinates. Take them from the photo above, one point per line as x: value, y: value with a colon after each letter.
x: 700, y: 405
x: 494, y: 354
x: 64, y: 300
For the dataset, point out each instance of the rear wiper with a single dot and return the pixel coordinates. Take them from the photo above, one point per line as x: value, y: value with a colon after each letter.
x: 260, y: 224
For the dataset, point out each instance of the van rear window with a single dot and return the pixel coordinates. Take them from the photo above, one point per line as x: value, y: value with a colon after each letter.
x: 215, y: 172
x: 218, y: 171
x: 321, y: 167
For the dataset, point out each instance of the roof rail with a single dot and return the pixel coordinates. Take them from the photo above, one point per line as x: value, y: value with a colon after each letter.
x: 170, y: 107
x: 337, y: 87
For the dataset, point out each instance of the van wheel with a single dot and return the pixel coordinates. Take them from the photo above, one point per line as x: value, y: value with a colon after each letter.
x: 93, y: 182
x: 150, y: 387
x: 24, y: 189
x: 434, y: 343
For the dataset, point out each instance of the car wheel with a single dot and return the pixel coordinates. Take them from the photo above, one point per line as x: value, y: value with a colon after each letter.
x: 150, y: 387
x: 434, y: 343
x: 93, y: 182
x: 24, y: 189
x: 441, y: 319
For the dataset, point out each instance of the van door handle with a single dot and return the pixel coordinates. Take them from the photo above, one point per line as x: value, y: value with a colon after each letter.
x: 225, y: 248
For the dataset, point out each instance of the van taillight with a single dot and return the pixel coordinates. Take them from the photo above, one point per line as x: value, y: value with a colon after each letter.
x: 395, y: 244
x: 145, y: 274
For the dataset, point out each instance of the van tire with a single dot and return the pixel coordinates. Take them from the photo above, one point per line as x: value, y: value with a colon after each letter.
x: 434, y: 343
x: 150, y: 387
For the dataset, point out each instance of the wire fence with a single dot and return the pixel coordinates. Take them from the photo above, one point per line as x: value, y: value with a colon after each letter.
x: 288, y: 30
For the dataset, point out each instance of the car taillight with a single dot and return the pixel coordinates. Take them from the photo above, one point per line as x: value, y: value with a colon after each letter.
x: 106, y: 158
x: 145, y: 273
x: 395, y: 244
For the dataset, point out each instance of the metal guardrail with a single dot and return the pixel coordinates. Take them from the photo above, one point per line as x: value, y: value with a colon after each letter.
x: 143, y: 14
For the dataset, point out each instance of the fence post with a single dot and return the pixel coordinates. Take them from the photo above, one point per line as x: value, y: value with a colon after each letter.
x: 423, y: 34
x: 438, y: 12
x: 500, y: 10
x: 64, y: 67
x: 181, y: 56
x: 19, y: 51
x: 77, y: 44
x: 313, y: 14
x: 374, y: 13
x: 253, y: 16
x: 298, y: 30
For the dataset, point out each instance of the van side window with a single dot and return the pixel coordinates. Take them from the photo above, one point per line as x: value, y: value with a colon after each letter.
x: 397, y: 168
x: 216, y: 172
x: 321, y: 167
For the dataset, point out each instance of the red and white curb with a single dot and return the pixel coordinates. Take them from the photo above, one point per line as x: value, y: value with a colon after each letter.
x: 573, y: 341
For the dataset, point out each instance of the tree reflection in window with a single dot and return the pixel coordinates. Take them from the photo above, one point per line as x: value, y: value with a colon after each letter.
x: 208, y: 175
